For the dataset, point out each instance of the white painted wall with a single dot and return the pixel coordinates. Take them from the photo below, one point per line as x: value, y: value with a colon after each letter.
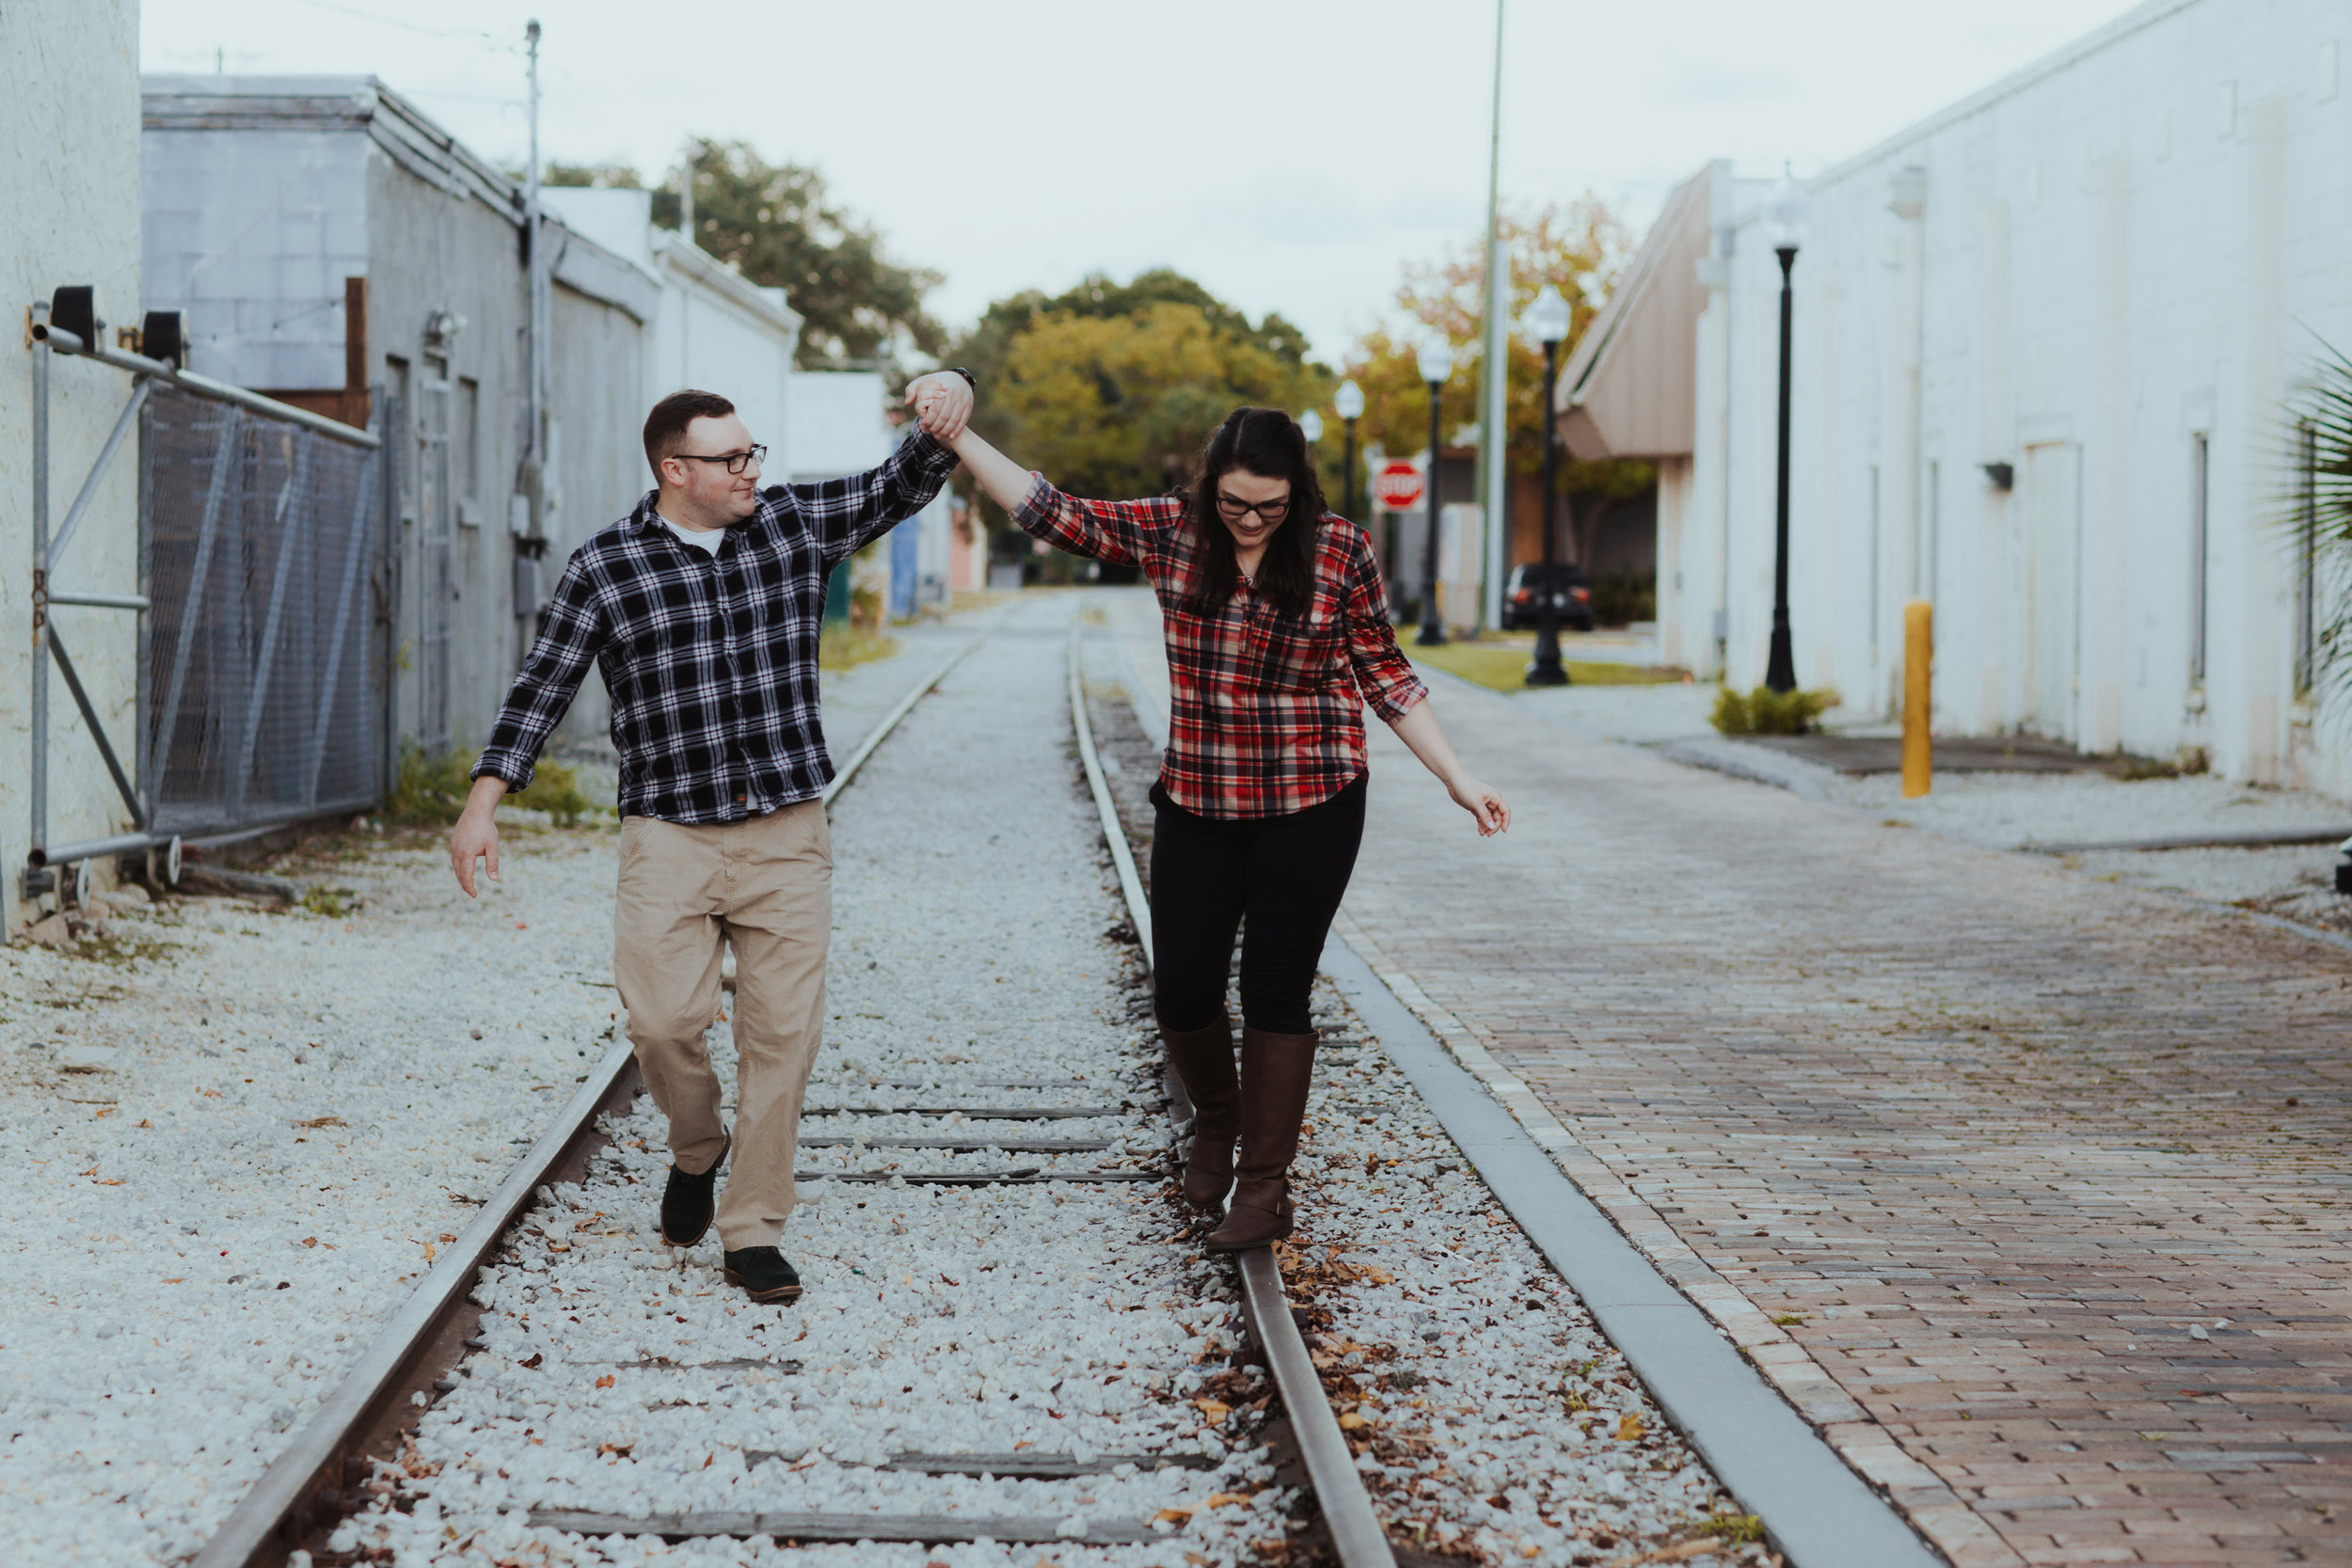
x: 2077, y: 272
x: 70, y: 188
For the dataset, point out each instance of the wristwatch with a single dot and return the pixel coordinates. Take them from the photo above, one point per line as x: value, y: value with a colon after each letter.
x: 969, y: 379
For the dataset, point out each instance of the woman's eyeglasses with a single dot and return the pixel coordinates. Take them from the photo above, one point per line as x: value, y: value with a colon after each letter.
x: 1235, y: 509
x: 736, y: 461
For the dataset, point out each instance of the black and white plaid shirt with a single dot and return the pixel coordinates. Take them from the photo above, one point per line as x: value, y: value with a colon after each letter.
x: 710, y: 659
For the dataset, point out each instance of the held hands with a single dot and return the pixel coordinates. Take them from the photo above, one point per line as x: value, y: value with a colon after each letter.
x: 941, y: 402
x: 1483, y: 803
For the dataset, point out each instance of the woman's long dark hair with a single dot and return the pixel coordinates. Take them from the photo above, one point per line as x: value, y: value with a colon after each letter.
x: 1268, y: 443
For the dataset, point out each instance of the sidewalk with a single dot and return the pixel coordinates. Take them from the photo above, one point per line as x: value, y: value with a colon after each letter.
x: 2030, y: 1187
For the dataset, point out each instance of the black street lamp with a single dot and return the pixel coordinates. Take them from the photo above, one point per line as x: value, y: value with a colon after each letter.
x: 1550, y: 317
x: 1780, y: 667
x: 1436, y: 366
x: 1348, y: 402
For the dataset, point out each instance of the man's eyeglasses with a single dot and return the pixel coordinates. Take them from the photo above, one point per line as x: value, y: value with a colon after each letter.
x: 1235, y: 509
x: 736, y: 461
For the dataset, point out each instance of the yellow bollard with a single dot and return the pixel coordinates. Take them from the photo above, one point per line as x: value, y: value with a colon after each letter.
x: 1918, y: 690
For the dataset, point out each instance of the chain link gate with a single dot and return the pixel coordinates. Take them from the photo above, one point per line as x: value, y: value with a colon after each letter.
x: 266, y: 655
x: 267, y: 597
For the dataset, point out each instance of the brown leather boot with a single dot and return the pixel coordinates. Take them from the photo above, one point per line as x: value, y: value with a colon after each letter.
x: 1276, y: 1071
x: 1204, y: 1060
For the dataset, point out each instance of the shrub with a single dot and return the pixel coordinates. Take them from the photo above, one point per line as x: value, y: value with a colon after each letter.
x: 432, y: 791
x: 1621, y: 598
x: 1764, y: 711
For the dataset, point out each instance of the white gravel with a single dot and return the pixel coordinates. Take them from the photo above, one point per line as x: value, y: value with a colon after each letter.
x: 198, y: 1255
x: 231, y: 1137
x: 971, y: 907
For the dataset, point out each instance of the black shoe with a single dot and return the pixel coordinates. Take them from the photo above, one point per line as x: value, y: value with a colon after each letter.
x: 763, y: 1273
x: 685, y: 1202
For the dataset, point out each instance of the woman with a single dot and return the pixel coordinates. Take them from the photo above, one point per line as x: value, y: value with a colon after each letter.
x: 1276, y: 623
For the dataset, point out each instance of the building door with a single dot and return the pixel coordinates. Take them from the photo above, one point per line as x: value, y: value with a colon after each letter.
x: 437, y: 539
x: 2053, y: 587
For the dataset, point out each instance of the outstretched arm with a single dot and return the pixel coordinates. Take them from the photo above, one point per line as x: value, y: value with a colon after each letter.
x: 1417, y: 726
x: 1099, y: 530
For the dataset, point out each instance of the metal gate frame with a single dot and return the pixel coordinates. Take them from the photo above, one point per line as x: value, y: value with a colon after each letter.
x: 50, y: 337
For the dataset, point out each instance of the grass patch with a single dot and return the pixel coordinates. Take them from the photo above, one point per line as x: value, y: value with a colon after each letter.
x: 1502, y: 667
x: 1744, y: 1529
x: 1764, y: 711
x: 432, y: 791
x: 843, y: 646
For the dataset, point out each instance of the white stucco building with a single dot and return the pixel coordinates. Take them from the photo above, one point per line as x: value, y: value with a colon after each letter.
x: 70, y: 185
x: 2048, y: 347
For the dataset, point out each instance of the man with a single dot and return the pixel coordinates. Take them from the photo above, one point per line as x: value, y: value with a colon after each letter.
x: 702, y: 608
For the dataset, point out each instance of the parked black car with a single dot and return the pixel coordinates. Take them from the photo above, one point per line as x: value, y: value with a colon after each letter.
x: 1571, y: 594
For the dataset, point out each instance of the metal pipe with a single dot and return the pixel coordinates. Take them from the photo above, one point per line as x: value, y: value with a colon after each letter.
x: 90, y: 849
x: 101, y: 601
x: 1780, y: 672
x: 1432, y: 632
x: 202, y: 386
x: 98, y: 471
x: 37, y: 704
x: 1547, y: 669
x: 97, y: 730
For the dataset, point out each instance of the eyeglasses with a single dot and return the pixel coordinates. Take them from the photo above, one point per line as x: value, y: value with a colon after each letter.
x: 736, y: 461
x: 1235, y: 509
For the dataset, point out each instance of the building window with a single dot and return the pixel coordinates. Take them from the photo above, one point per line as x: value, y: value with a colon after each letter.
x: 470, y: 437
x: 2200, y: 494
x: 1874, y: 566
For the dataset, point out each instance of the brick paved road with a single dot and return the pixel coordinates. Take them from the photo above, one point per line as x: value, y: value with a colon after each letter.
x: 1984, y: 1137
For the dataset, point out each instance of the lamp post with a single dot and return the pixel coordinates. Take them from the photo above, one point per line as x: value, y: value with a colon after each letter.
x: 1311, y: 426
x: 1437, y: 366
x: 1780, y: 667
x: 1550, y: 317
x: 1348, y: 402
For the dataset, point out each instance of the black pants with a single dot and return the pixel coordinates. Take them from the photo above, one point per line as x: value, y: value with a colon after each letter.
x: 1285, y: 874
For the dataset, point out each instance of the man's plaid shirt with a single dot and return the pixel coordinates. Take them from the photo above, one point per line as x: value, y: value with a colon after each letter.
x: 1264, y: 713
x: 710, y: 661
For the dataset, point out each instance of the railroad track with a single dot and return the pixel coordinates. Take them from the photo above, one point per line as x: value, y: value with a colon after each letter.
x: 340, y: 1460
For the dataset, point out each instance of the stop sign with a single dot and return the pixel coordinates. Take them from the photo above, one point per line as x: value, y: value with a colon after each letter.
x: 1398, y: 486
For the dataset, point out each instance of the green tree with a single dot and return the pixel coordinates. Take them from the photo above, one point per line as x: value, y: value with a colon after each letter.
x: 1112, y: 388
x: 1578, y: 249
x: 779, y: 226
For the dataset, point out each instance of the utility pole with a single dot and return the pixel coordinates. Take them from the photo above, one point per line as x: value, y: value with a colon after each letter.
x: 1495, y: 401
x: 535, y: 368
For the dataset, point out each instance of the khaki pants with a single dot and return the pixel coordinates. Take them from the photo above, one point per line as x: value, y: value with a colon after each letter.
x: 765, y: 885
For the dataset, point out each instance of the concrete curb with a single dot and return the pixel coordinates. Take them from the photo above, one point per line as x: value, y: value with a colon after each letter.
x: 1815, y: 1509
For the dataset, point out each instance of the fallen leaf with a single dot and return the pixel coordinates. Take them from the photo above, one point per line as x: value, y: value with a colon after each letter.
x: 1628, y: 1428
x: 619, y: 1451
x: 1221, y: 1498
x: 308, y: 1241
x: 429, y: 1250
x: 324, y: 1121
x: 182, y: 1280
x: 605, y: 1382
x: 535, y: 1358
x: 1353, y: 1422
x: 1213, y: 1411
x: 103, y: 1111
x: 116, y: 1182
x: 1380, y: 1276
x: 1173, y: 1515
x: 144, y: 1122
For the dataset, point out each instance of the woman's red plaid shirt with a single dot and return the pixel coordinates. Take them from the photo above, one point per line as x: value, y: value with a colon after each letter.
x: 1263, y: 712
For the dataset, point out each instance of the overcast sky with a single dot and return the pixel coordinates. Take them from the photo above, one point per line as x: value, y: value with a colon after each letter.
x: 1291, y: 154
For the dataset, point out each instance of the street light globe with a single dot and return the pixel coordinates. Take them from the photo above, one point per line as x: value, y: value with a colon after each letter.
x: 1787, y: 212
x: 1548, y: 316
x: 1348, y: 401
x: 1435, y: 357
x: 1311, y: 426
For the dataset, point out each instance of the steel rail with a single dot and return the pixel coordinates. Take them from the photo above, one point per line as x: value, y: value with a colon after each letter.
x: 1357, y: 1535
x: 270, y: 1521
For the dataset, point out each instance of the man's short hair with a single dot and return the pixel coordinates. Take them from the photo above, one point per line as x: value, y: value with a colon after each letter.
x: 666, y: 427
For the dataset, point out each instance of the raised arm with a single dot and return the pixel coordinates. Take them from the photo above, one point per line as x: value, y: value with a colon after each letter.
x: 1099, y: 530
